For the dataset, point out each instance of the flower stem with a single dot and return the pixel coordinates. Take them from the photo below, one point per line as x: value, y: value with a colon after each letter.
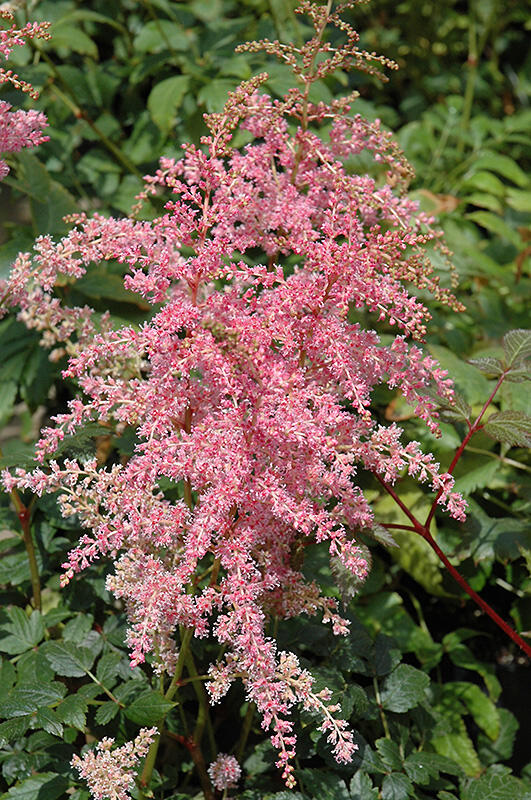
x: 24, y: 516
x: 149, y: 764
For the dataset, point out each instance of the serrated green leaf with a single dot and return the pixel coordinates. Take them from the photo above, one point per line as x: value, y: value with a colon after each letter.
x: 492, y: 786
x: 389, y: 752
x: 108, y: 667
x: 68, y: 659
x: 510, y: 427
x: 73, y: 710
x: 106, y: 712
x: 14, y: 729
x: 517, y: 345
x: 47, y: 719
x: 396, y: 786
x: 404, y: 688
x: 321, y: 785
x: 479, y: 705
x: 26, y: 699
x: 46, y: 786
x: 164, y: 100
x: 458, y: 746
x: 361, y: 787
x: 492, y: 367
x: 148, y: 708
x: 476, y: 475
x: 23, y: 632
x: 7, y: 677
x: 502, y: 748
x: 380, y: 534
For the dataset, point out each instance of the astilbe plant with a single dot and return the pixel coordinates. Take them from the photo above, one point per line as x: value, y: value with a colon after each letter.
x: 18, y: 128
x: 249, y: 388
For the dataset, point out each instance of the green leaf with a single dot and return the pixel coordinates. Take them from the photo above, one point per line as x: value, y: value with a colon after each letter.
x: 491, y: 367
x: 23, y: 632
x: 14, y: 729
x: 473, y: 385
x: 388, y: 750
x: 46, y: 786
x: 148, y: 708
x: 510, y: 427
x: 396, y: 786
x: 517, y: 345
x: 502, y: 748
x: 477, y: 473
x: 72, y: 39
x: 69, y: 659
x: 519, y: 199
x: 322, y: 785
x: 106, y: 712
x: 8, y: 394
x: 463, y: 657
x: 479, y: 705
x: 380, y: 534
x: 492, y: 786
x: 495, y: 225
x: 47, y: 719
x: 164, y: 100
x: 503, y: 165
x: 404, y: 688
x: 7, y: 677
x: 108, y: 667
x: 485, y: 182
x: 161, y: 35
x: 214, y: 94
x: 361, y: 787
x: 25, y: 699
x: 73, y: 710
x: 458, y: 746
x: 421, y: 767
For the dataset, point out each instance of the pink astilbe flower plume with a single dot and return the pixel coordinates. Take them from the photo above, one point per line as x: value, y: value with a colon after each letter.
x: 19, y: 129
x: 250, y: 388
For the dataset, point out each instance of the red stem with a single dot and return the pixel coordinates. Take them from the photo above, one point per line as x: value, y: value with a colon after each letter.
x: 476, y: 425
x: 423, y: 530
x: 475, y: 596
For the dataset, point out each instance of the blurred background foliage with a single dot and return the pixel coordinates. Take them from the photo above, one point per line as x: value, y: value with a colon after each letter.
x: 126, y: 81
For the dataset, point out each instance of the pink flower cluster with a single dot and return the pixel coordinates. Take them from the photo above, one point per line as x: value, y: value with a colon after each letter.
x: 224, y: 772
x: 250, y: 387
x: 19, y: 129
x: 110, y: 774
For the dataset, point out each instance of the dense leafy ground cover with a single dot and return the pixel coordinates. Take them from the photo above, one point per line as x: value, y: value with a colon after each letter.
x: 432, y: 687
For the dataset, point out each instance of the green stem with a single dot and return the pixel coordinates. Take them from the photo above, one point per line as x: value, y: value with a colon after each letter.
x: 149, y: 764
x: 472, y: 64
x: 203, y: 716
x: 24, y: 516
x: 380, y: 708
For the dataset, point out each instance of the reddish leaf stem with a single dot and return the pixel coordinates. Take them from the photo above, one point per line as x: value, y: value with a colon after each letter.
x: 423, y: 530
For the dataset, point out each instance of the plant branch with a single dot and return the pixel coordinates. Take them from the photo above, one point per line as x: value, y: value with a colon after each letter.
x: 423, y: 530
x: 24, y: 516
x: 476, y: 426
